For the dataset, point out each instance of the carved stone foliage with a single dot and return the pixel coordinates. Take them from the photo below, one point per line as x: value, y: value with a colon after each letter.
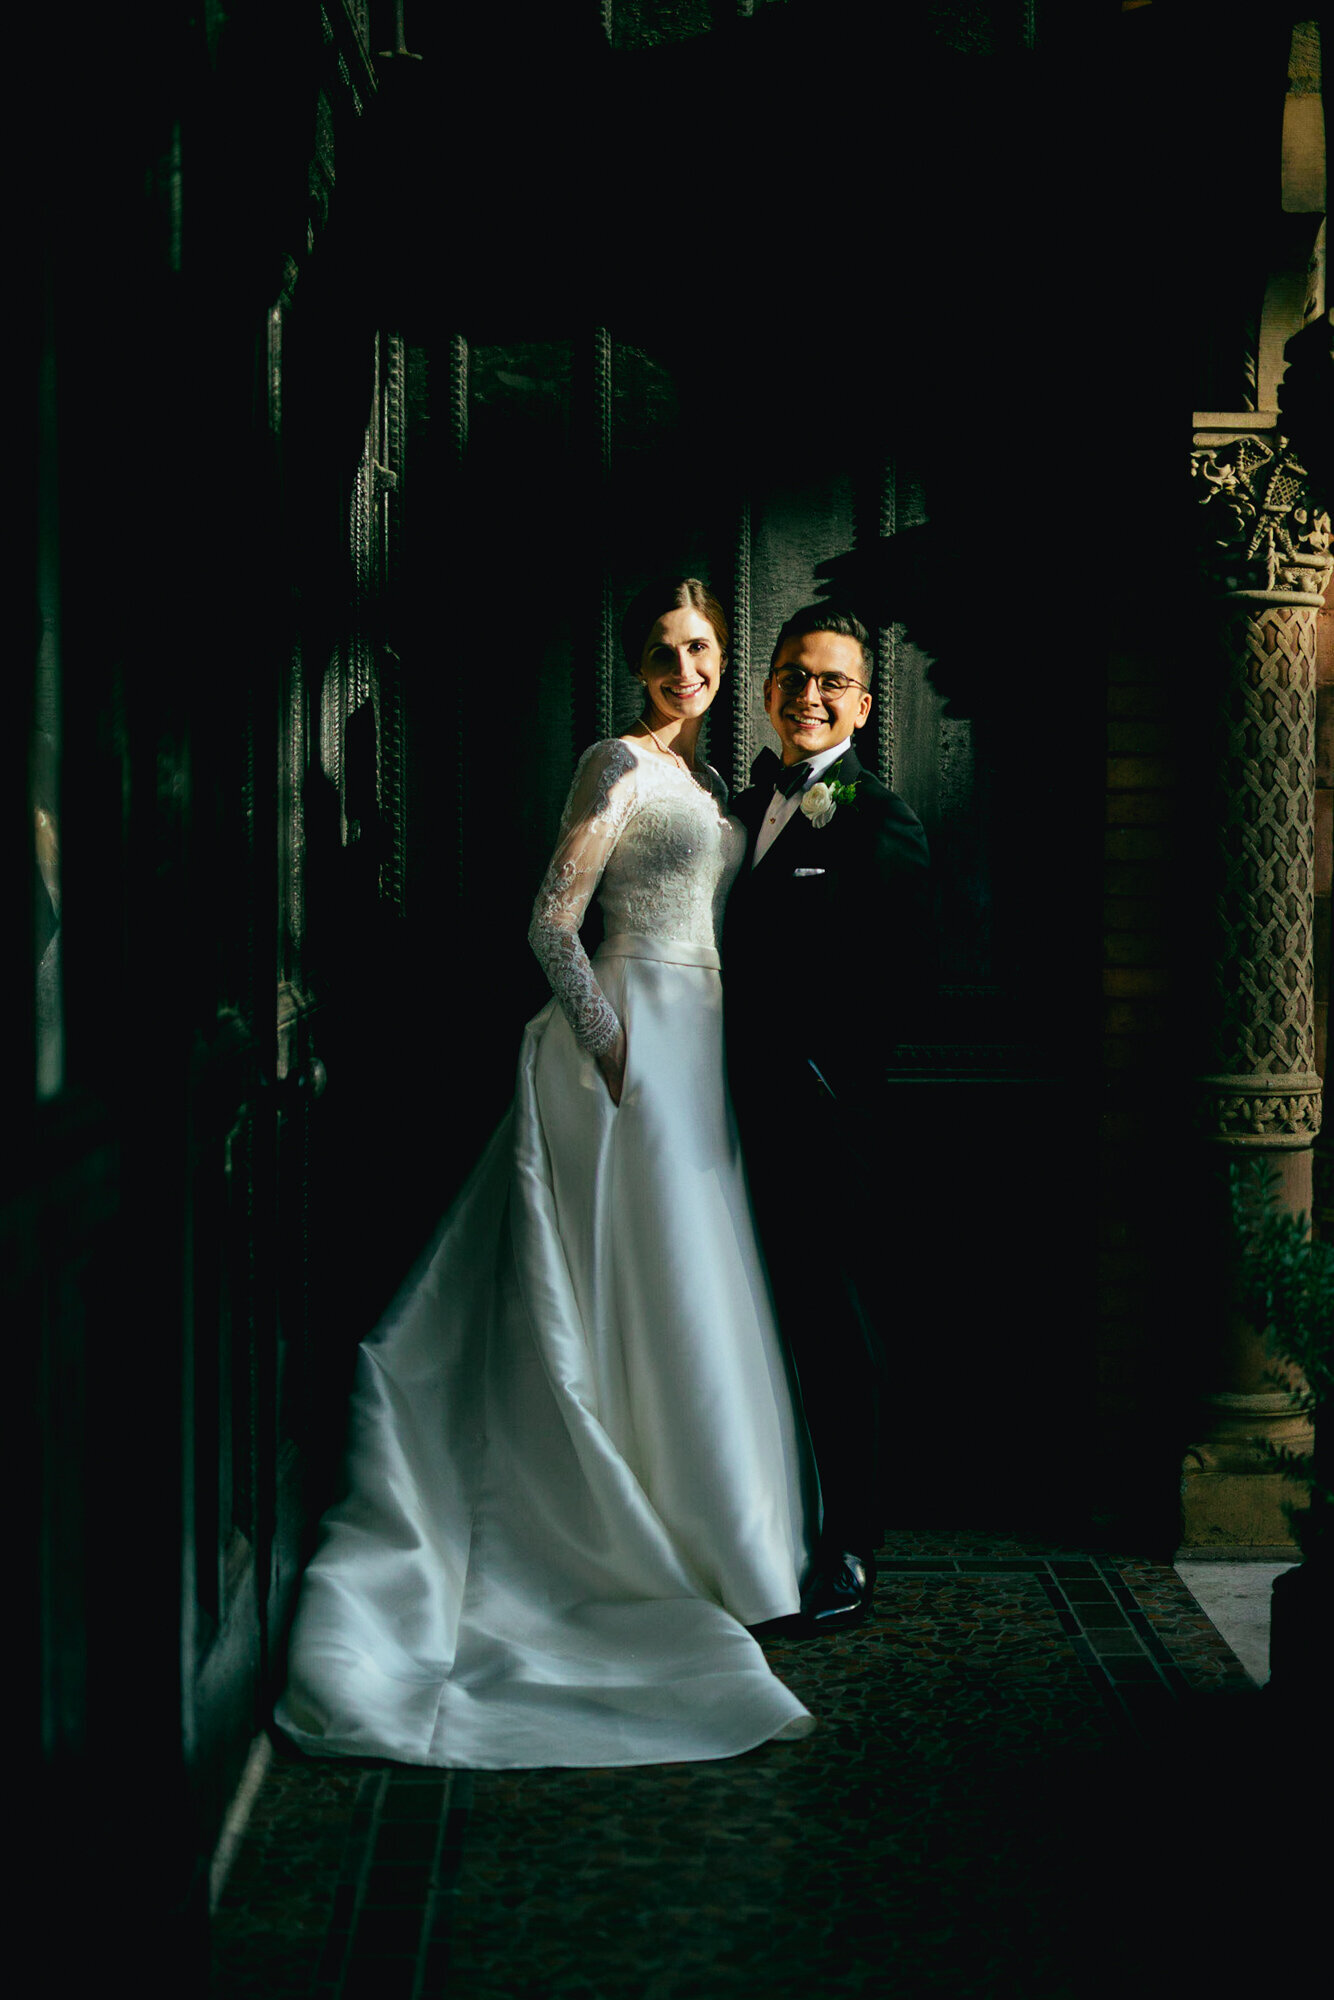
x: 1263, y: 529
x: 1246, y: 1116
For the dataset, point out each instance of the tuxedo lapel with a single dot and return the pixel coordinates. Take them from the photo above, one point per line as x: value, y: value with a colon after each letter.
x: 749, y: 808
x: 848, y: 768
x: 800, y: 836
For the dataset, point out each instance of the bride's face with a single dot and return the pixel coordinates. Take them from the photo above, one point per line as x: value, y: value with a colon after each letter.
x: 681, y: 665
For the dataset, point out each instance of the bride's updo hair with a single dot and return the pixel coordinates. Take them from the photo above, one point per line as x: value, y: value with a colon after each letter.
x: 664, y: 594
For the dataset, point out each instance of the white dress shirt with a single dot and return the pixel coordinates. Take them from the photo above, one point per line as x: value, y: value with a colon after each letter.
x: 781, y: 810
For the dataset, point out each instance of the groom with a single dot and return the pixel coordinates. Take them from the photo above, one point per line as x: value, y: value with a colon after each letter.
x: 825, y: 940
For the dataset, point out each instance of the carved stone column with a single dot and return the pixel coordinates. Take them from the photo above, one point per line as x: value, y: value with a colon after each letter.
x: 1267, y: 552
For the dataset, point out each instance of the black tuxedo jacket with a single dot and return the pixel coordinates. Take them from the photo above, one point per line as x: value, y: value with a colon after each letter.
x: 826, y: 946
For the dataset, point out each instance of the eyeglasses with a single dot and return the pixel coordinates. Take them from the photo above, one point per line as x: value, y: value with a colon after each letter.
x: 793, y: 681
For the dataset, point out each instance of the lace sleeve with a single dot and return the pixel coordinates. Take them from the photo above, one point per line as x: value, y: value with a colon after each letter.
x: 602, y: 799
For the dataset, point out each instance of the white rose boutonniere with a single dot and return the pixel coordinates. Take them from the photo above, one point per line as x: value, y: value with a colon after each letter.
x: 821, y: 801
x: 818, y: 803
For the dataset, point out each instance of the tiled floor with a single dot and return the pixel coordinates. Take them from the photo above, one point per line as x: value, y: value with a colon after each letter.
x: 1004, y: 1797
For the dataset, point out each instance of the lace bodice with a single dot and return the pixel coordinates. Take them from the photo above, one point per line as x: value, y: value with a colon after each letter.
x: 657, y: 846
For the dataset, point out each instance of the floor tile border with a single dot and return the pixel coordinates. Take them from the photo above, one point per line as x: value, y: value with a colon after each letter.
x: 1135, y: 1697
x: 389, y: 1941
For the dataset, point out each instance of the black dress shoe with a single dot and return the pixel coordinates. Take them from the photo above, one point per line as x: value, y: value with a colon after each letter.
x: 840, y: 1594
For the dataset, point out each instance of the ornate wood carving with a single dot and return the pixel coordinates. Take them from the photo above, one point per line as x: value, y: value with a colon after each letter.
x: 739, y: 666
x: 458, y: 438
x: 1267, y: 543
x: 886, y: 641
x: 362, y: 697
x: 390, y: 471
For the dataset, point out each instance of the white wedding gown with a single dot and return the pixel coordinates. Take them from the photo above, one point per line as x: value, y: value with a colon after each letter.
x: 576, y: 1473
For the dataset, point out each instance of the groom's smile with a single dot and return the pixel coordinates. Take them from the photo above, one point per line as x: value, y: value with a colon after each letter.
x: 810, y: 718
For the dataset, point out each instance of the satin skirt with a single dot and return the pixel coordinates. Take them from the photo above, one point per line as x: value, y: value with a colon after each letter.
x: 577, y: 1469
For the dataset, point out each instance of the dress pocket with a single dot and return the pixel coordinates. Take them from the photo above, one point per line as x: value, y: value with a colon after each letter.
x: 627, y: 1075
x: 623, y: 1011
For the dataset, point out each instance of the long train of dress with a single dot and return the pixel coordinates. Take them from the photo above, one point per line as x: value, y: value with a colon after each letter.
x: 576, y: 1472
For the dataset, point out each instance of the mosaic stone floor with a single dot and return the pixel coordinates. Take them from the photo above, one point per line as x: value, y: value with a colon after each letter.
x: 1025, y: 1766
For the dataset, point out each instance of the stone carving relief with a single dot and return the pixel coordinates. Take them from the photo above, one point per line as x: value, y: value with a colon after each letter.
x: 1262, y: 529
x: 1244, y: 1117
x: 1268, y: 550
x: 1267, y: 812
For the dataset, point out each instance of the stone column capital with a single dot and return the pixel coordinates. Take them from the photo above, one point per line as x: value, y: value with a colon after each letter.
x: 1265, y: 525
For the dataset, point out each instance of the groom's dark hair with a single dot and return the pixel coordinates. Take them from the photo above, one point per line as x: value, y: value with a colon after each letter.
x: 825, y: 618
x: 663, y: 594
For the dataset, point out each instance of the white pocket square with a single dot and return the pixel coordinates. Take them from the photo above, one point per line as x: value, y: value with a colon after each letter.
x: 797, y: 873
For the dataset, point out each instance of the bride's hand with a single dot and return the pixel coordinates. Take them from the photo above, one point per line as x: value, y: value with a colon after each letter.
x: 612, y: 1066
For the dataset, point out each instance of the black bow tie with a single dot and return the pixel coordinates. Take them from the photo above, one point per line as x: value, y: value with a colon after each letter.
x: 788, y: 778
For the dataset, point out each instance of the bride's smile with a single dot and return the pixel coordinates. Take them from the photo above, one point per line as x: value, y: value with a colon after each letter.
x: 680, y: 666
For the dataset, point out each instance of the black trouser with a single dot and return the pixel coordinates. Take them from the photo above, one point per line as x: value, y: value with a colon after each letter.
x: 822, y: 1315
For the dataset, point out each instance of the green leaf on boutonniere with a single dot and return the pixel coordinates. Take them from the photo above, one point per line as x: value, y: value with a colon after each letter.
x: 842, y: 795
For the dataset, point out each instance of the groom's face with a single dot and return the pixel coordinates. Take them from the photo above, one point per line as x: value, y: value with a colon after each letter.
x: 812, y: 719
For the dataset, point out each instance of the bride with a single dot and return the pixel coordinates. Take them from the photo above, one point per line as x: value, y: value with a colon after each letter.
x: 576, y: 1474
